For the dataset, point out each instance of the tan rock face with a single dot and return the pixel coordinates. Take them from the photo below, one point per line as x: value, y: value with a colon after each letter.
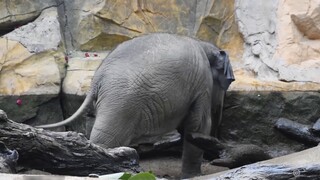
x: 218, y: 26
x: 297, y: 57
x: 309, y: 25
x: 25, y: 73
x: 79, y: 75
x: 104, y: 24
x: 30, y: 58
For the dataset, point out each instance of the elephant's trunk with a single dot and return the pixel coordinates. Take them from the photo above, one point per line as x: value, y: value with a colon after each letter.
x: 80, y: 111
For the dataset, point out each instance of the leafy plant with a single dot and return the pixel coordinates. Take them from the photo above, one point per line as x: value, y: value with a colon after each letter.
x: 139, y: 176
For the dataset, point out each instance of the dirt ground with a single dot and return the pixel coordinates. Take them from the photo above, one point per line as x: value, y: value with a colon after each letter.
x: 169, y: 167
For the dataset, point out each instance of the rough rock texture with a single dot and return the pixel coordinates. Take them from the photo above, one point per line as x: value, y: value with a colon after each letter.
x: 41, y: 34
x: 16, y: 13
x: 275, y: 46
x: 106, y: 23
x: 249, y: 117
x: 257, y: 24
x: 218, y: 26
x: 23, y: 72
x: 264, y: 51
x: 297, y: 58
x: 34, y: 109
x: 308, y: 25
x: 79, y: 75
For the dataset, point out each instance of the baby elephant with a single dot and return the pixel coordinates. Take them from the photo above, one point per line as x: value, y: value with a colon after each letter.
x: 150, y: 85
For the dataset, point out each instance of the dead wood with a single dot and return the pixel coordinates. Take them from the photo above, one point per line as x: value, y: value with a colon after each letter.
x: 299, y: 132
x: 67, y: 153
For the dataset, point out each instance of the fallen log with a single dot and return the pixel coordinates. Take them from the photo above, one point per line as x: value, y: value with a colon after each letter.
x: 66, y: 153
x: 8, y: 159
x: 300, y: 132
x: 300, y: 165
x: 275, y: 172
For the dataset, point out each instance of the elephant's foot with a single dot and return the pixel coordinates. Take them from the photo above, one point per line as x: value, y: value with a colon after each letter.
x: 229, y: 155
x: 239, y: 155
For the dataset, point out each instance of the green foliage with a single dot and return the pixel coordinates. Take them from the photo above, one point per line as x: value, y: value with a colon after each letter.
x: 125, y: 176
x: 139, y: 176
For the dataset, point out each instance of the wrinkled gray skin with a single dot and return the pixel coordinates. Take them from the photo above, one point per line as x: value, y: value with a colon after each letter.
x: 150, y: 85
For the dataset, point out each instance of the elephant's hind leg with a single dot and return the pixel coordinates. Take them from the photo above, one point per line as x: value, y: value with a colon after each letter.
x: 111, y: 133
x: 198, y: 120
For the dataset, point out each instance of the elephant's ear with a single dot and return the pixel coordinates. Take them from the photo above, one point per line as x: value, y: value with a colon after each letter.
x: 222, y: 74
x: 221, y: 69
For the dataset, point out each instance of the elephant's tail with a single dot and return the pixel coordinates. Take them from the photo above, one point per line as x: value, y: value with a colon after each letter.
x: 80, y: 111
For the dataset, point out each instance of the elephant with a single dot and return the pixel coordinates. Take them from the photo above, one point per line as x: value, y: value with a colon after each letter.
x: 150, y: 85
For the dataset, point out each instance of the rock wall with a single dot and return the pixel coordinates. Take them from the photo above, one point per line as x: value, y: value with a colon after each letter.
x: 278, y: 53
x: 49, y: 49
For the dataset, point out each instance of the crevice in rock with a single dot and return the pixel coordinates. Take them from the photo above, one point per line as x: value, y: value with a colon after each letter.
x: 111, y: 21
x: 8, y: 27
x: 63, y: 22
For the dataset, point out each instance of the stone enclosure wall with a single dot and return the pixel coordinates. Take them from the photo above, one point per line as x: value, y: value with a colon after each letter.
x: 49, y: 50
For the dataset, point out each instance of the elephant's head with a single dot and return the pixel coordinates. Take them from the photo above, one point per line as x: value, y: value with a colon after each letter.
x: 221, y: 69
x: 222, y: 75
x: 220, y: 65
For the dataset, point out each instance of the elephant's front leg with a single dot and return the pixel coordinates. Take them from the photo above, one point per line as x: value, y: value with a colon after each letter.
x: 198, y: 120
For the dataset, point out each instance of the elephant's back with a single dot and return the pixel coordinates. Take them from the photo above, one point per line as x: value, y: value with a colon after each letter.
x: 158, y: 59
x: 153, y: 49
x: 158, y: 63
